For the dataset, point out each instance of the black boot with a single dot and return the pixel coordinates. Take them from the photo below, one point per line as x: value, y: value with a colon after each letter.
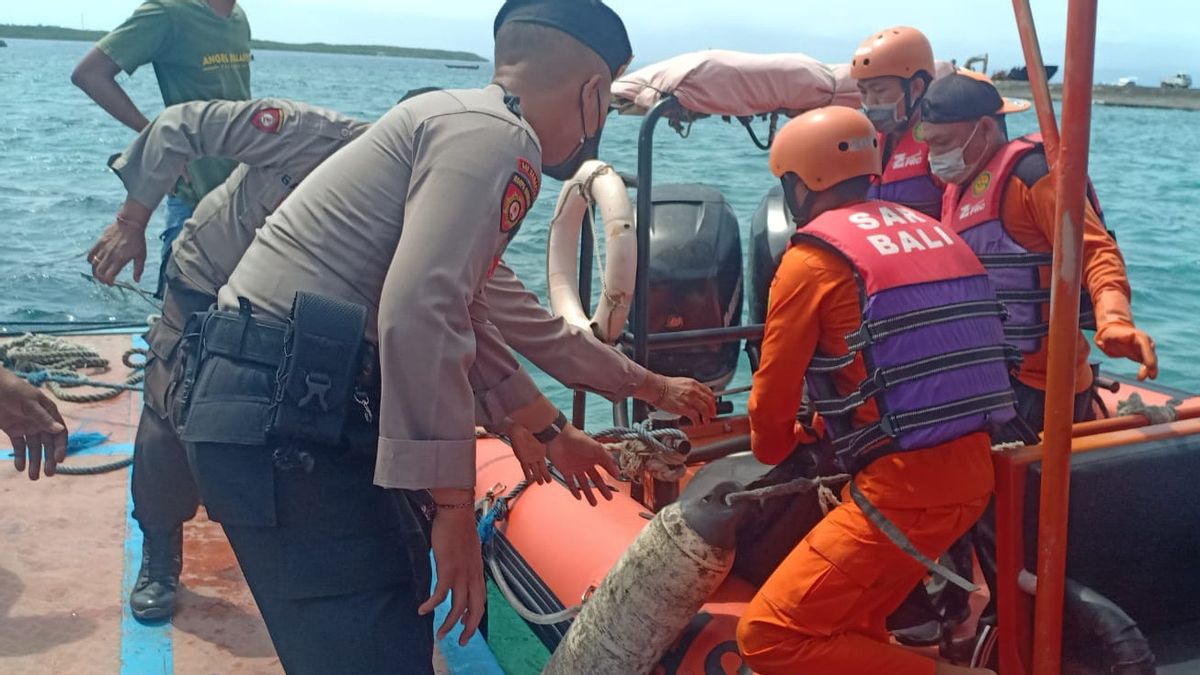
x: 153, y: 596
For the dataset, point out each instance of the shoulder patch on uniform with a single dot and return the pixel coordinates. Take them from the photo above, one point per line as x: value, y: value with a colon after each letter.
x: 519, y: 195
x: 268, y: 120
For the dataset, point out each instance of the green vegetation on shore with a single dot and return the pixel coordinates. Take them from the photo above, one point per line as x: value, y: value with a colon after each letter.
x: 59, y: 33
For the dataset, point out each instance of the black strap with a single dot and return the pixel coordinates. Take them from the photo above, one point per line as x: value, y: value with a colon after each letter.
x: 992, y: 260
x: 885, y: 378
x: 891, y: 425
x: 829, y: 364
x: 871, y: 332
x: 897, y: 537
x: 1087, y: 319
x: 1024, y: 296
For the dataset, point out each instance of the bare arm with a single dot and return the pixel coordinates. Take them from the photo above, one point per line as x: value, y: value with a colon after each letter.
x: 96, y: 75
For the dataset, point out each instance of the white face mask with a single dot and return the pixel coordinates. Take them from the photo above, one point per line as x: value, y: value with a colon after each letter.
x: 950, y: 166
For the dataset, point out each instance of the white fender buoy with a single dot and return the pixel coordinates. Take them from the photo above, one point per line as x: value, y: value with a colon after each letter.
x: 594, y: 183
x: 648, y: 598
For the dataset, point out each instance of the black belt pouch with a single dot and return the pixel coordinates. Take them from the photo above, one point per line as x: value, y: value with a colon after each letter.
x: 323, y: 354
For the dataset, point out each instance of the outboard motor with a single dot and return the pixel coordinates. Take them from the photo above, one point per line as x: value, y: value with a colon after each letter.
x: 695, y: 279
x: 770, y: 232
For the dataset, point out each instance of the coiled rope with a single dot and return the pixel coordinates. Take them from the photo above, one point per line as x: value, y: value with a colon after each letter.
x: 53, y: 361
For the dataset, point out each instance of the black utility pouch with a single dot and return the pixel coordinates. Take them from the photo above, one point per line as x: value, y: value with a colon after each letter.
x: 315, y: 380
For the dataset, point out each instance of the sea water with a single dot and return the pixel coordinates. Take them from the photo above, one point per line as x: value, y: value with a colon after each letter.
x: 57, y: 194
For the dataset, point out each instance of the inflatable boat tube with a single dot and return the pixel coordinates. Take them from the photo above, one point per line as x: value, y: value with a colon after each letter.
x: 594, y: 183
x: 557, y: 552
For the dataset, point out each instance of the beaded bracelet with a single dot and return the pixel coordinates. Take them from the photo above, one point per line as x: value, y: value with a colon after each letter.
x: 451, y: 507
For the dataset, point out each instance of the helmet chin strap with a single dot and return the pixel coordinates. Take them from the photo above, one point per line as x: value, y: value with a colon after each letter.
x: 910, y: 106
x: 800, y: 210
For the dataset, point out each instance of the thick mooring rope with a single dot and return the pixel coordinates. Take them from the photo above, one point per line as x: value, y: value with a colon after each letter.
x: 53, y: 361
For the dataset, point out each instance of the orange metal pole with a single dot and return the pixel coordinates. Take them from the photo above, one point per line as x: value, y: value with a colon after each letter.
x: 1039, y: 84
x: 1066, y: 278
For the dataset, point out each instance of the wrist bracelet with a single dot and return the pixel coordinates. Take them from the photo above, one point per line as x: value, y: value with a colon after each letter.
x: 128, y: 222
x: 452, y: 507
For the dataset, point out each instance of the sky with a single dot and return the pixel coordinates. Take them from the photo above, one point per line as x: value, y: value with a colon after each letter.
x: 1145, y: 38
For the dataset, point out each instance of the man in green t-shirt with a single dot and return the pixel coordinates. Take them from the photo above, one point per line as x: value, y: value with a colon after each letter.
x: 201, y: 51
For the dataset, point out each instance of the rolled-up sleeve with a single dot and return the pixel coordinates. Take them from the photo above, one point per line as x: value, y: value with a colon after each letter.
x: 569, y: 354
x: 438, y: 351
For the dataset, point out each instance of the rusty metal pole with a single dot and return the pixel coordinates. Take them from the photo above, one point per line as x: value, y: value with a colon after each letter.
x: 1039, y: 84
x: 1066, y: 279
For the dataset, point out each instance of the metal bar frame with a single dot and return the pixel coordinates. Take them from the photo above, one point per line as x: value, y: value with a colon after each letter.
x: 1066, y: 279
x: 645, y: 215
x: 1039, y: 84
x: 587, y: 248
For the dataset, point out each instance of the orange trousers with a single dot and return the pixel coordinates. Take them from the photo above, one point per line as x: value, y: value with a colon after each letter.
x: 823, y: 611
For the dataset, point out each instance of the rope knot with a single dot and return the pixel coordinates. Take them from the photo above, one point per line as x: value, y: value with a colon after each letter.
x: 641, y: 449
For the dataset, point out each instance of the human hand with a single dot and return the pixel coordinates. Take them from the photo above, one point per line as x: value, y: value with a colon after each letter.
x: 679, y: 395
x: 530, y: 453
x: 1122, y: 340
x: 123, y: 241
x: 459, y: 563
x: 576, y: 455
x: 34, y: 426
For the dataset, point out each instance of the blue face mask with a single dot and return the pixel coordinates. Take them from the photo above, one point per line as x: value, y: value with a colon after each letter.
x: 885, y: 117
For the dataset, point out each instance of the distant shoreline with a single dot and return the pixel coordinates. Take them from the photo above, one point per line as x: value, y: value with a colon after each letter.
x: 1124, y: 97
x: 73, y: 34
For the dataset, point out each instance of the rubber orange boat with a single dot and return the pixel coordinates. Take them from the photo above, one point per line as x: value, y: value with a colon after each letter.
x: 1131, y: 603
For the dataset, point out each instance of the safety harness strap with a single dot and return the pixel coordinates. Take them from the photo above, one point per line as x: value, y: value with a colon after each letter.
x: 891, y: 425
x: 1087, y: 319
x: 871, y: 332
x: 829, y: 364
x: 897, y: 537
x: 1006, y: 260
x: 1024, y: 296
x: 886, y: 378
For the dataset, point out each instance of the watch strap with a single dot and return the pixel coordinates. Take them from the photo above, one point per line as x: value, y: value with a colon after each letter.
x: 551, y: 432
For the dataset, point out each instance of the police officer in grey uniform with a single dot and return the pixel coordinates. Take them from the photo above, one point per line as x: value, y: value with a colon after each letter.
x: 279, y: 143
x: 385, y: 249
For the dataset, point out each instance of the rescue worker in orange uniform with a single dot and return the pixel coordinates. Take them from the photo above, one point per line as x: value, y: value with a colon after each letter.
x: 894, y: 68
x: 878, y: 283
x: 1001, y: 200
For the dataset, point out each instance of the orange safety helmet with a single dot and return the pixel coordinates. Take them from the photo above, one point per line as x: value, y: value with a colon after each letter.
x: 826, y: 146
x: 896, y: 52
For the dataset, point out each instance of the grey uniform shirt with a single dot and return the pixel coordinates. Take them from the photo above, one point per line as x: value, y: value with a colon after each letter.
x: 278, y: 142
x: 409, y: 220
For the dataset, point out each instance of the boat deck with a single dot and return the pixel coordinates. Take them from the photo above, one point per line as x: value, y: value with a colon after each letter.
x: 71, y: 554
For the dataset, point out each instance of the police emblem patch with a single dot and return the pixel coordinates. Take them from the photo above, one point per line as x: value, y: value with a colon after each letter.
x: 268, y: 120
x: 519, y: 195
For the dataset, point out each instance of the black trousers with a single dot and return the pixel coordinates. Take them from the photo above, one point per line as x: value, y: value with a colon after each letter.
x: 164, y: 492
x: 337, y: 565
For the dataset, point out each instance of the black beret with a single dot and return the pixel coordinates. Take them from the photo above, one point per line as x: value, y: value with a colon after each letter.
x: 591, y: 22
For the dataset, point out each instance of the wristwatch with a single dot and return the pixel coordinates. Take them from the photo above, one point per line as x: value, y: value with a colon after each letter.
x: 551, y: 432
